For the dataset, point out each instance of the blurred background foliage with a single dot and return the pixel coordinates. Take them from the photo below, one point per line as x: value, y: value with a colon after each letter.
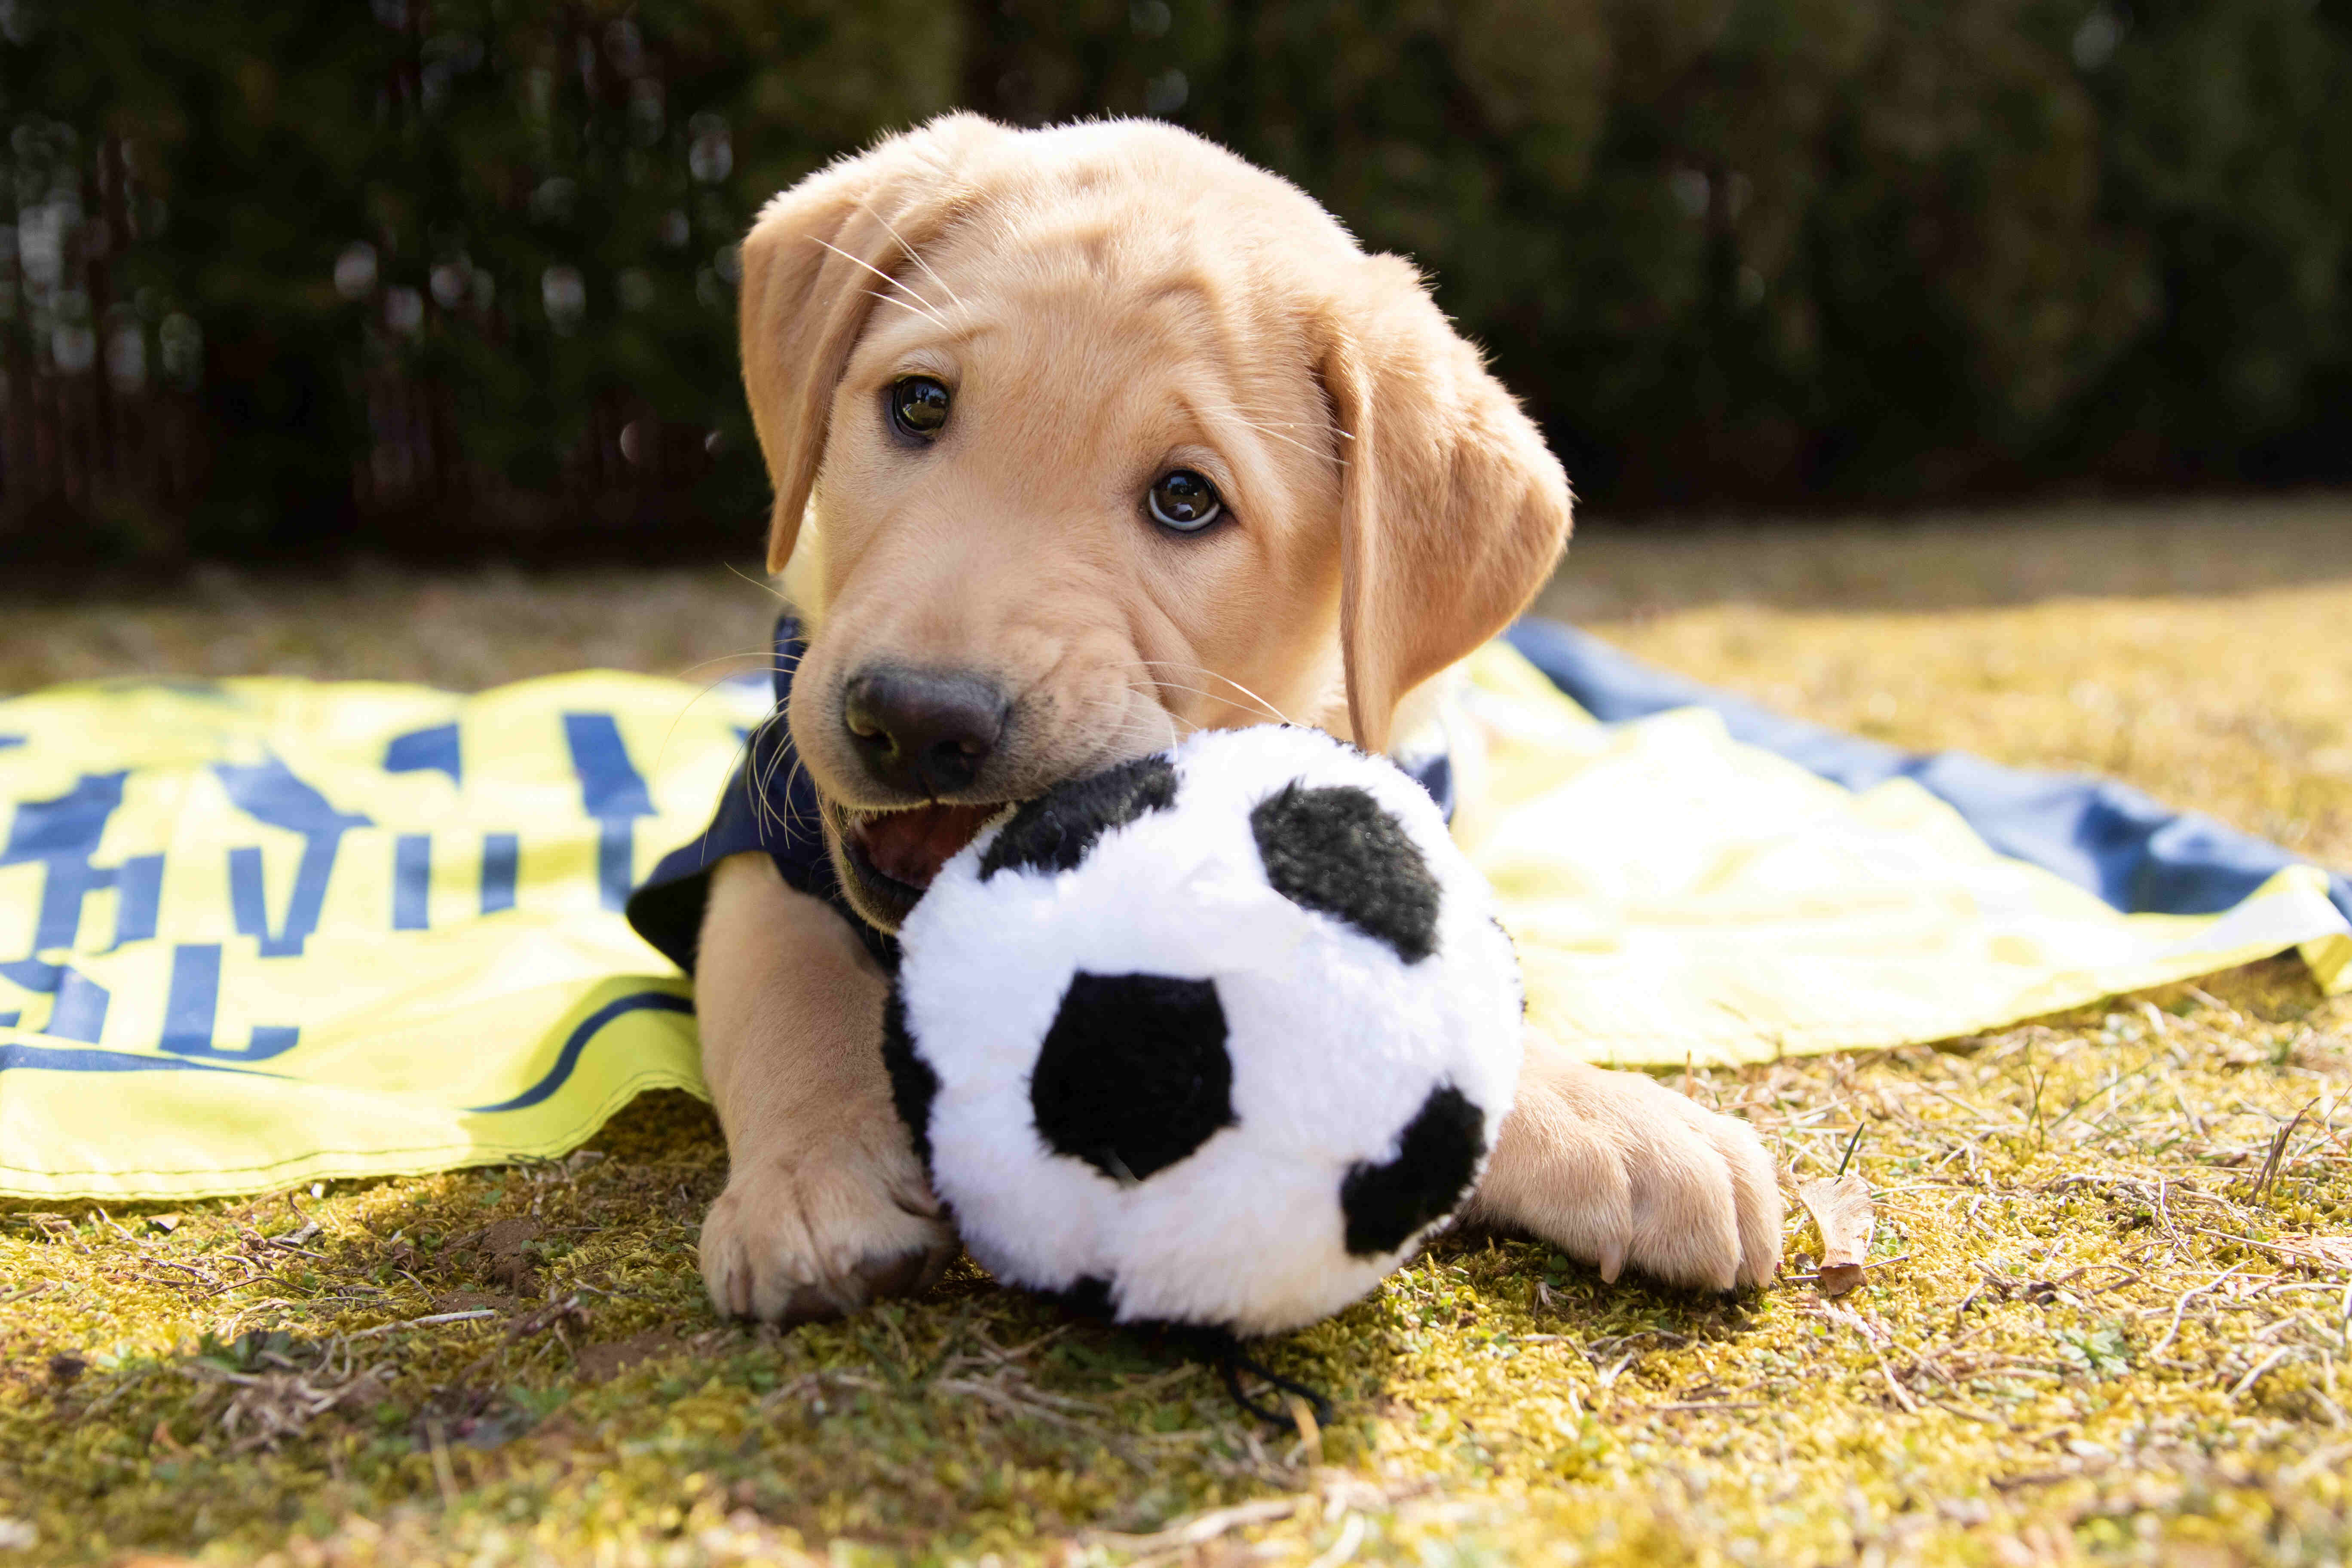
x: 454, y: 278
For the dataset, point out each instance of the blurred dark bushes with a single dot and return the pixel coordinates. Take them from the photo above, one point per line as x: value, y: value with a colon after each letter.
x: 454, y: 277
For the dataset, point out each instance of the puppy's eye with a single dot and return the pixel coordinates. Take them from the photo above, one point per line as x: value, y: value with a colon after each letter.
x: 919, y: 406
x: 1184, y: 500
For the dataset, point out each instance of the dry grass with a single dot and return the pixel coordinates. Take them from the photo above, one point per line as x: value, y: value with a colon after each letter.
x: 2109, y: 1321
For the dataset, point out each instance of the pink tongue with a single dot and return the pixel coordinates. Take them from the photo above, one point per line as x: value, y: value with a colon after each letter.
x: 910, y: 846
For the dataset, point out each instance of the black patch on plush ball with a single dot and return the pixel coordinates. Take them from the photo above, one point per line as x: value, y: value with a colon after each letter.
x: 1436, y: 1158
x: 1088, y: 1296
x: 913, y: 1084
x: 1054, y: 831
x: 1133, y: 1075
x: 1337, y: 852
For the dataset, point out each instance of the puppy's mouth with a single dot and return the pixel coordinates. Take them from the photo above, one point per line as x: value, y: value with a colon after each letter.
x: 895, y: 854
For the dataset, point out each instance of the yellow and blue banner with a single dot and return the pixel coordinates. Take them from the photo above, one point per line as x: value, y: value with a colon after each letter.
x: 257, y: 933
x: 1691, y: 877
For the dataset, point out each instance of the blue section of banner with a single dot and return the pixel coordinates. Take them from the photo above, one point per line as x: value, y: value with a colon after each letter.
x: 2138, y: 855
x: 412, y: 882
x: 61, y: 836
x: 192, y: 1007
x: 268, y: 792
x: 57, y: 1060
x: 80, y: 1011
x: 577, y: 1041
x: 426, y: 750
x: 138, y: 899
x: 501, y: 863
x: 613, y: 793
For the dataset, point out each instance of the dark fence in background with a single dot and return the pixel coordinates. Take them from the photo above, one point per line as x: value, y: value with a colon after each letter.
x: 454, y: 277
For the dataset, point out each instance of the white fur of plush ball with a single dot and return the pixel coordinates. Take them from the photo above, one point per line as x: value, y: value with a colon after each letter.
x: 1335, y: 1043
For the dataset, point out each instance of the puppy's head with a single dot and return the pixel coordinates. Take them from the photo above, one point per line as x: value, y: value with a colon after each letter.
x: 1083, y: 438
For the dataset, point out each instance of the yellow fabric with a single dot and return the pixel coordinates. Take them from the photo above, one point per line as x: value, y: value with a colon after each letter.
x: 400, y: 1031
x: 1679, y: 896
x: 1676, y: 896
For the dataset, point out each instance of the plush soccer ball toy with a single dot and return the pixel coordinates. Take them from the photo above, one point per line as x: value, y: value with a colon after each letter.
x: 1214, y: 1039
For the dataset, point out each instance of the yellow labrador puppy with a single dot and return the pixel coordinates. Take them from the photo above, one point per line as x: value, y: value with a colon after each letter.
x: 1083, y: 438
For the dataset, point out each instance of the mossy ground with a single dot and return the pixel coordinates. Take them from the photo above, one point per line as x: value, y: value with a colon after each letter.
x: 2108, y: 1324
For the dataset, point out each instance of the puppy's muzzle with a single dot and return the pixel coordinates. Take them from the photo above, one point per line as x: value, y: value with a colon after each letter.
x: 923, y: 734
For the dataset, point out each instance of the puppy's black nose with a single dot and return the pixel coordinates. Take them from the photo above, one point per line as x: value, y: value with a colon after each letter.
x: 924, y: 734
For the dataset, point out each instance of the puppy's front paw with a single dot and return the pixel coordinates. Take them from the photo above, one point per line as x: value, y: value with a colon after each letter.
x: 1617, y: 1169
x: 820, y: 1233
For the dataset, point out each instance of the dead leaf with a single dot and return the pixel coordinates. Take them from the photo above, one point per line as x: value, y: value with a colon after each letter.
x: 2312, y: 1251
x: 613, y: 1357
x: 1842, y: 1212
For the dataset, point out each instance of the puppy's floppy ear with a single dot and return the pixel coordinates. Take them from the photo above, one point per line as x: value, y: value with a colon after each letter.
x: 810, y: 275
x: 1452, y: 511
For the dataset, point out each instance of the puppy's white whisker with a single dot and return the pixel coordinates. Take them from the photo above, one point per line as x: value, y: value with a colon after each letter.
x: 661, y: 753
x: 768, y: 588
x: 1135, y: 727
x: 1332, y: 458
x: 1197, y: 692
x: 913, y: 255
x: 1278, y: 714
x: 753, y: 789
x: 893, y: 282
x: 1325, y: 426
x: 1212, y: 697
x: 756, y: 778
x: 762, y: 655
x: 793, y: 812
x: 1243, y: 415
x: 1238, y: 417
x: 894, y: 300
x: 775, y: 755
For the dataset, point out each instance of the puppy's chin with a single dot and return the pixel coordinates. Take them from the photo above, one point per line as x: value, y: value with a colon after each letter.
x: 886, y: 858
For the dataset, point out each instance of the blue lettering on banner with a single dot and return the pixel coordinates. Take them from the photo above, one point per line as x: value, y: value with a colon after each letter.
x: 192, y: 1005
x: 61, y: 837
x: 8, y: 741
x: 613, y: 793
x: 426, y: 750
x: 412, y: 882
x: 271, y: 792
x: 80, y: 1011
x: 138, y: 899
x: 501, y: 863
